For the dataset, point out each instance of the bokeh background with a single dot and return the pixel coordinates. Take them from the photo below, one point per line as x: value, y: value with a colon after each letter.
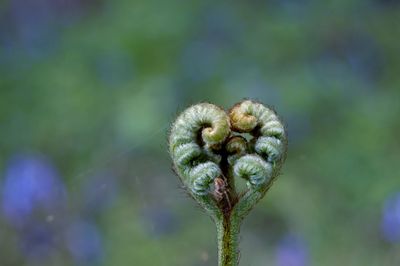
x: 88, y: 89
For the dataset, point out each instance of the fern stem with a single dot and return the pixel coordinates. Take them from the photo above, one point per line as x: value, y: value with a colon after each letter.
x: 228, y: 241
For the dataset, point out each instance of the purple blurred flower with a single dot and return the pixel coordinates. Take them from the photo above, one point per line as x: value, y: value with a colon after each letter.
x: 291, y: 251
x: 31, y: 184
x: 84, y: 242
x: 390, y: 224
x: 38, y: 242
x: 33, y: 25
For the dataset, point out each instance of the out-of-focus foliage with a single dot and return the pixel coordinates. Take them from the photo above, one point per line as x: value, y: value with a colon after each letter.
x: 87, y: 92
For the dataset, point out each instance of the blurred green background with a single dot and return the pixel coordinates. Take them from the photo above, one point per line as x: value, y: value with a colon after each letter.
x: 88, y: 89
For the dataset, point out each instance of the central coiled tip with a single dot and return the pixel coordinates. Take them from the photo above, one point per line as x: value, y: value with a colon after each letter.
x: 236, y: 145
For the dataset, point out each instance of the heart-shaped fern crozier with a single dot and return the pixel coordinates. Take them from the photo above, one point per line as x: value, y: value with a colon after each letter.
x: 210, y: 148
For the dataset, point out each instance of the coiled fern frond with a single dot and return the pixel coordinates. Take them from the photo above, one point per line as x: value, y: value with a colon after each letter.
x: 210, y: 148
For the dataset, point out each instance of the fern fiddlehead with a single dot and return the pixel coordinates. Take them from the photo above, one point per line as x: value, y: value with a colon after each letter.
x: 209, y: 149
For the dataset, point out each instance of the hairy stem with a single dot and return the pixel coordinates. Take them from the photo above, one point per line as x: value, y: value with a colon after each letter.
x: 228, y: 237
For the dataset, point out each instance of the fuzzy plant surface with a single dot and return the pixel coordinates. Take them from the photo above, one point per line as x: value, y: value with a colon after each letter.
x: 211, y: 148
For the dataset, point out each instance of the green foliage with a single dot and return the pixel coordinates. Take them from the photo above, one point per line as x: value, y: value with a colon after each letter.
x: 101, y: 92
